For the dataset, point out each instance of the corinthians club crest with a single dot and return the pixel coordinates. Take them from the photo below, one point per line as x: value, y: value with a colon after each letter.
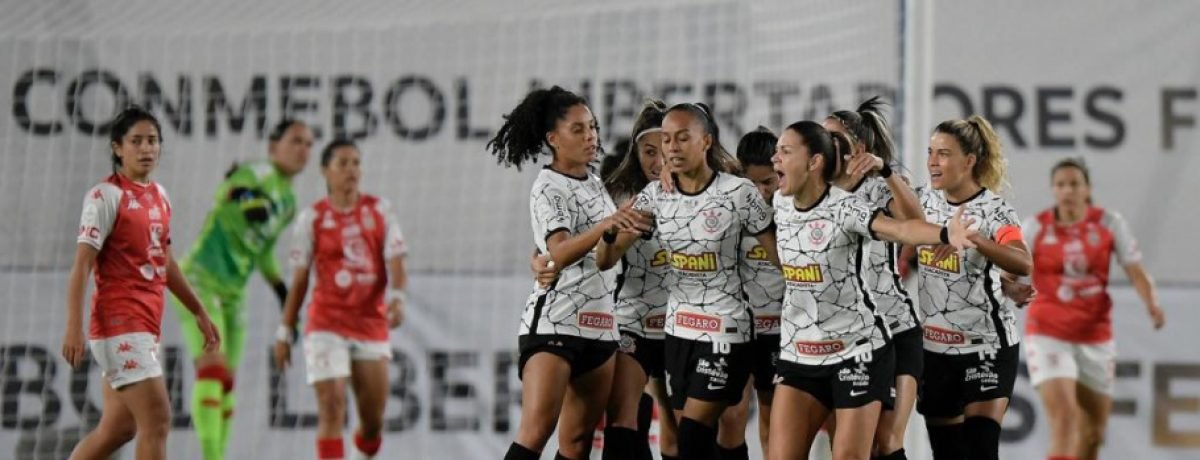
x: 712, y: 220
x: 817, y: 232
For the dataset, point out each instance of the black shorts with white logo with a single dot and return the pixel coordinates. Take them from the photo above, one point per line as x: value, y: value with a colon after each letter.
x: 647, y: 352
x: 708, y: 371
x: 582, y: 354
x: 855, y: 382
x: 910, y: 353
x: 765, y: 356
x: 953, y: 381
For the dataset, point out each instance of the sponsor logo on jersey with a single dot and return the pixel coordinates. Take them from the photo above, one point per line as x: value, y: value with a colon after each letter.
x: 662, y: 257
x: 766, y: 322
x: 706, y: 262
x: 819, y: 348
x: 949, y: 264
x: 596, y: 320
x: 657, y: 322
x: 712, y: 220
x: 810, y: 273
x: 698, y: 322
x: 89, y: 232
x: 946, y: 336
x: 757, y: 253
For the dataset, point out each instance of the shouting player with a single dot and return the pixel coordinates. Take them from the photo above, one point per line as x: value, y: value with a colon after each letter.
x: 354, y: 243
x: 125, y: 235
x: 253, y: 206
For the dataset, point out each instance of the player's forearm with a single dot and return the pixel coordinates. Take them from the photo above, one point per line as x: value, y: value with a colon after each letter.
x: 568, y: 250
x: 397, y: 275
x: 913, y: 232
x: 769, y: 242
x: 75, y: 293
x: 608, y: 254
x: 178, y: 285
x: 1143, y: 284
x: 291, y: 307
x: 1010, y: 259
x: 905, y: 204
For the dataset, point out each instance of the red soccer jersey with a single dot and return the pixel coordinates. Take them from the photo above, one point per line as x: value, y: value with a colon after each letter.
x: 129, y: 223
x: 348, y: 249
x: 1070, y: 273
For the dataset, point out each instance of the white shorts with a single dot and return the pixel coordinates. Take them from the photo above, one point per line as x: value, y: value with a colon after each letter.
x: 1091, y: 364
x: 127, y: 358
x: 328, y: 355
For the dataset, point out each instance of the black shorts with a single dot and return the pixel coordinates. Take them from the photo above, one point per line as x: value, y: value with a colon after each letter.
x: 708, y: 371
x: 910, y: 353
x: 582, y: 354
x: 763, y: 359
x: 647, y: 352
x: 855, y: 382
x: 953, y: 381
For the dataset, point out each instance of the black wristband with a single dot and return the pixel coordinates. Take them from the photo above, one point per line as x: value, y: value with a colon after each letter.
x: 280, y: 292
x: 945, y: 235
x: 886, y: 171
x: 610, y: 237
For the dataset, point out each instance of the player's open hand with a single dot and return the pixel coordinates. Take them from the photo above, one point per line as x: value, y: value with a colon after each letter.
x: 545, y: 271
x: 961, y: 232
x: 1157, y: 316
x: 629, y: 220
x: 1014, y: 289
x: 212, y: 338
x: 283, y: 354
x: 861, y: 163
x: 666, y: 179
x: 395, y: 313
x: 73, y: 348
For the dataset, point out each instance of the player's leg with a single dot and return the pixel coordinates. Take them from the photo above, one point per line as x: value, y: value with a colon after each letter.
x: 116, y: 428
x: 796, y: 416
x: 544, y: 377
x: 621, y: 438
x: 765, y: 396
x: 233, y: 345
x: 857, y: 431
x: 731, y: 429
x: 987, y: 400
x: 327, y: 365
x: 1053, y: 372
x: 862, y: 386
x: 1097, y: 363
x: 941, y: 402
x: 715, y: 376
x: 586, y: 397
x: 369, y: 380
x: 893, y: 422
x: 212, y: 372
x: 150, y: 405
x: 668, y: 429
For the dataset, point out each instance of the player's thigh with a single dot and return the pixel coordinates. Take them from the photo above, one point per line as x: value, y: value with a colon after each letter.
x: 796, y: 416
x: 369, y: 380
x: 585, y: 399
x: 629, y: 382
x: 115, y: 418
x: 148, y: 402
x: 856, y: 430
x: 233, y: 329
x: 544, y: 378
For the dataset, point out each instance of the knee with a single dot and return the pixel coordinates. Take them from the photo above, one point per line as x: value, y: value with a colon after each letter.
x: 156, y: 424
x: 331, y: 405
x: 1093, y: 436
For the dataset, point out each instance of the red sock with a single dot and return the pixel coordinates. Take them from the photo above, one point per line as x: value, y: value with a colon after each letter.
x: 330, y: 449
x: 367, y: 446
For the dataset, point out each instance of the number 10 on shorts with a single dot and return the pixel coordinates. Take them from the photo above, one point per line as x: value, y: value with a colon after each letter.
x: 721, y: 348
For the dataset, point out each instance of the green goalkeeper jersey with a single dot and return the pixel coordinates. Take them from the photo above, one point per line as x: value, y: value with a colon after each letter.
x: 253, y: 206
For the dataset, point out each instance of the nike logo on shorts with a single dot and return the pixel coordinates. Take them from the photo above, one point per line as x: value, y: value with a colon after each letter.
x: 716, y: 387
x: 985, y: 388
x: 854, y: 394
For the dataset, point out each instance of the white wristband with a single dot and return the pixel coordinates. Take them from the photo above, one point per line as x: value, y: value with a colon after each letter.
x: 396, y: 294
x: 283, y: 334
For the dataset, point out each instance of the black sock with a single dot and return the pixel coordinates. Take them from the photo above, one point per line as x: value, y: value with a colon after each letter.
x: 519, y: 452
x: 645, y: 414
x: 620, y: 443
x: 946, y: 441
x: 697, y: 441
x: 983, y: 435
x: 897, y: 455
x: 560, y: 456
x: 736, y: 453
x: 669, y: 457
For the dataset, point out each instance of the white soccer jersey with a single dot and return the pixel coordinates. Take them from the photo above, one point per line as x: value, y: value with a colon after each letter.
x: 703, y: 233
x: 828, y: 313
x: 882, y: 272
x: 961, y: 301
x: 645, y: 282
x: 580, y: 301
x: 763, y: 285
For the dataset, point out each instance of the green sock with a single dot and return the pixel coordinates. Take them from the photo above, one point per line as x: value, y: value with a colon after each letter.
x: 207, y: 417
x: 227, y: 413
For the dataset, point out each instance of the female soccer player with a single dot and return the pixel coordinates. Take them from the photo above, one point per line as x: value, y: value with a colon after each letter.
x: 354, y: 243
x: 708, y: 326
x: 253, y: 206
x: 1068, y: 333
x: 125, y: 233
x: 763, y: 290
x: 568, y: 334
x: 872, y: 147
x: 971, y: 341
x: 835, y: 355
x: 641, y: 299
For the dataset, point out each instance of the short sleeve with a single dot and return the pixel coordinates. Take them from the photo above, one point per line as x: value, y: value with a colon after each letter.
x: 100, y: 207
x: 551, y: 209
x: 393, y: 245
x: 300, y: 253
x: 756, y: 215
x: 1126, y: 247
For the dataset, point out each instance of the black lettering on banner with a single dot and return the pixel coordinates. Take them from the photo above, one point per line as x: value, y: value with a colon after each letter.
x: 463, y: 113
x: 671, y: 91
x: 293, y: 105
x: 505, y: 395
x: 775, y: 92
x: 1126, y: 370
x: 343, y: 106
x: 13, y: 385
x: 1005, y: 120
x: 173, y: 373
x: 1172, y: 120
x: 89, y: 412
x: 949, y: 90
x: 215, y: 101
x: 402, y: 386
x: 1046, y: 117
x: 277, y: 403
x: 1021, y: 410
x: 728, y: 103
x: 20, y: 110
x: 1167, y: 404
x: 437, y: 108
x: 76, y: 92
x: 1105, y: 117
x: 178, y: 113
x: 443, y: 388
x: 616, y: 107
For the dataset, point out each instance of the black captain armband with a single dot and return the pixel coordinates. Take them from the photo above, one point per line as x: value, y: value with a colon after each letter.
x: 610, y: 237
x: 281, y: 291
x: 945, y: 235
x: 886, y: 171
